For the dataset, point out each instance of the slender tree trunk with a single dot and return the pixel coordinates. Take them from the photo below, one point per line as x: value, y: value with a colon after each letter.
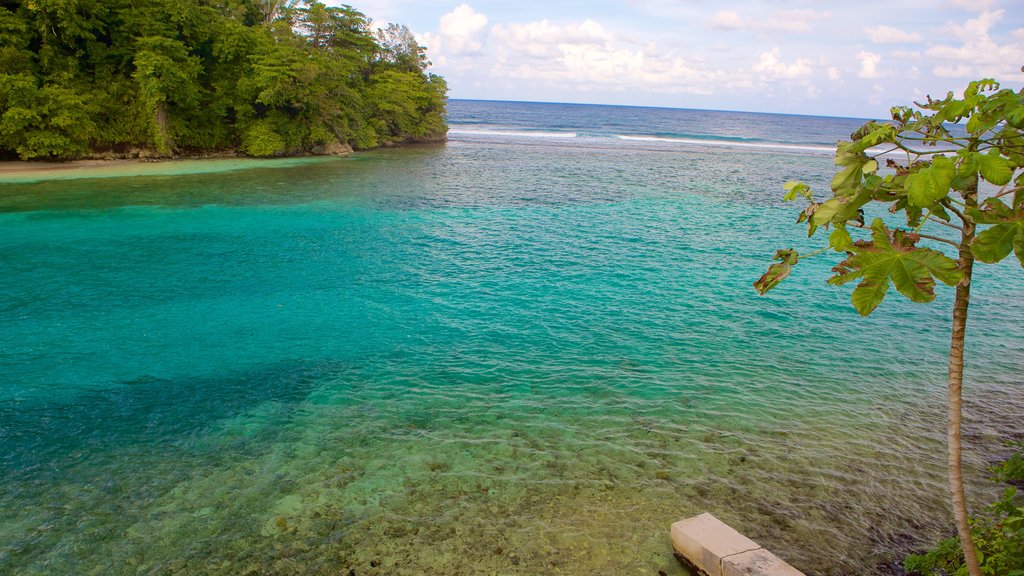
x: 955, y: 383
x: 164, y: 142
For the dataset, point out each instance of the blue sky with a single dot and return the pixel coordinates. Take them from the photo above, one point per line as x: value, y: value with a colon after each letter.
x: 806, y: 57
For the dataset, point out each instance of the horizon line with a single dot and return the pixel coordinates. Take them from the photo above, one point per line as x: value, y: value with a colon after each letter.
x: 660, y: 108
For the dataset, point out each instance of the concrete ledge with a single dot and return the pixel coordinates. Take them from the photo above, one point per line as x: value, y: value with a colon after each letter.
x: 717, y: 550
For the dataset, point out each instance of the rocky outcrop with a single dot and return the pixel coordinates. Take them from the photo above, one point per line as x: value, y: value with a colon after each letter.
x: 331, y: 149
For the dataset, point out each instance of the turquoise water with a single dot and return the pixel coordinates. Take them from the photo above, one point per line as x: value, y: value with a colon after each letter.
x: 504, y: 356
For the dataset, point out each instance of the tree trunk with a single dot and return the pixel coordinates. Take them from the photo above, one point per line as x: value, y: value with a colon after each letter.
x: 955, y: 384
x: 164, y: 142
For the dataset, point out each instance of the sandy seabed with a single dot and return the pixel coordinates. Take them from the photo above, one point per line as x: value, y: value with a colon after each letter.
x: 23, y: 172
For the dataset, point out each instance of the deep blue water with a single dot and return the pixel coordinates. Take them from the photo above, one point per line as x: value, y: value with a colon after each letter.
x: 630, y: 125
x: 527, y: 351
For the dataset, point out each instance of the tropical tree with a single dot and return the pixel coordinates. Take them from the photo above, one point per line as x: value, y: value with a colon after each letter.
x: 953, y: 170
x: 167, y: 75
x: 268, y: 77
x: 399, y: 48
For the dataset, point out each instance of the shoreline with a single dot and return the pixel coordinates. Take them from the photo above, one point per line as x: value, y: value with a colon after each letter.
x: 25, y: 171
x: 22, y: 172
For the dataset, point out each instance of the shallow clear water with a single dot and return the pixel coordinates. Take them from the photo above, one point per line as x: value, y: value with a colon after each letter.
x: 509, y: 354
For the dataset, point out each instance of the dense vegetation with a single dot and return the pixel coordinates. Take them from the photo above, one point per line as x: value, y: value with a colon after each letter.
x: 998, y: 533
x: 266, y: 77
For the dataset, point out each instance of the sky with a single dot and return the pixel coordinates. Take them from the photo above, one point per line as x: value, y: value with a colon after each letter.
x: 852, y: 59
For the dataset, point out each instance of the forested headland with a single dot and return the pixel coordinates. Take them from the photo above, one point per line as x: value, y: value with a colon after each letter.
x: 83, y: 78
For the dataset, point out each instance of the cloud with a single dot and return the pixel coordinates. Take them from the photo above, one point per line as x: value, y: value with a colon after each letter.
x: 749, y: 55
x: 460, y: 32
x: 889, y: 35
x: 869, y: 62
x: 586, y: 54
x: 977, y: 54
x: 770, y: 66
x: 782, y: 21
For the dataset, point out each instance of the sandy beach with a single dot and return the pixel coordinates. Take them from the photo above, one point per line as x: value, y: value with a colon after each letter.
x: 21, y: 167
x: 17, y: 171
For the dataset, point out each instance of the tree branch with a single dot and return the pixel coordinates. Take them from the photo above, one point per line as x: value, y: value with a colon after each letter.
x: 1008, y: 192
x: 928, y: 236
x: 937, y: 239
x: 948, y: 203
x: 944, y: 223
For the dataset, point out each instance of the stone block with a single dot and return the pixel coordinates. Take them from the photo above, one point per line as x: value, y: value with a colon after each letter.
x: 758, y: 562
x: 705, y: 540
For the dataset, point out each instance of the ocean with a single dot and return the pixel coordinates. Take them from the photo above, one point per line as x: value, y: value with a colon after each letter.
x: 526, y: 351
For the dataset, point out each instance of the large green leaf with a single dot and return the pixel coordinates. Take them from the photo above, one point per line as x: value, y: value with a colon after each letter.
x: 777, y: 272
x: 891, y: 258
x: 1006, y: 234
x: 997, y: 242
x: 824, y: 212
x: 931, y: 183
x: 994, y: 168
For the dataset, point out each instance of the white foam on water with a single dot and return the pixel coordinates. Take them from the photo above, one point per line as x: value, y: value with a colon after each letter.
x: 727, y: 143
x: 516, y: 133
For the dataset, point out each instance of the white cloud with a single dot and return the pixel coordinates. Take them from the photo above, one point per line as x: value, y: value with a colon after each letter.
x: 782, y: 21
x: 770, y: 66
x: 747, y: 55
x: 889, y: 35
x: 978, y: 54
x: 587, y: 55
x: 460, y: 32
x: 869, y: 62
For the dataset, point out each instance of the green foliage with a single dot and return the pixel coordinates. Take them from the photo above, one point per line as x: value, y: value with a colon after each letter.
x: 998, y: 537
x: 260, y: 139
x: 892, y: 258
x: 400, y: 49
x: 52, y: 121
x: 1011, y: 470
x: 365, y: 137
x: 269, y: 76
x: 777, y: 272
x: 1006, y: 233
x: 934, y: 182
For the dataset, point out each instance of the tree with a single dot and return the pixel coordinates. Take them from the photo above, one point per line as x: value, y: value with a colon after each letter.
x: 400, y: 49
x: 51, y: 121
x: 271, y: 77
x: 166, y: 75
x: 960, y: 178
x: 333, y: 27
